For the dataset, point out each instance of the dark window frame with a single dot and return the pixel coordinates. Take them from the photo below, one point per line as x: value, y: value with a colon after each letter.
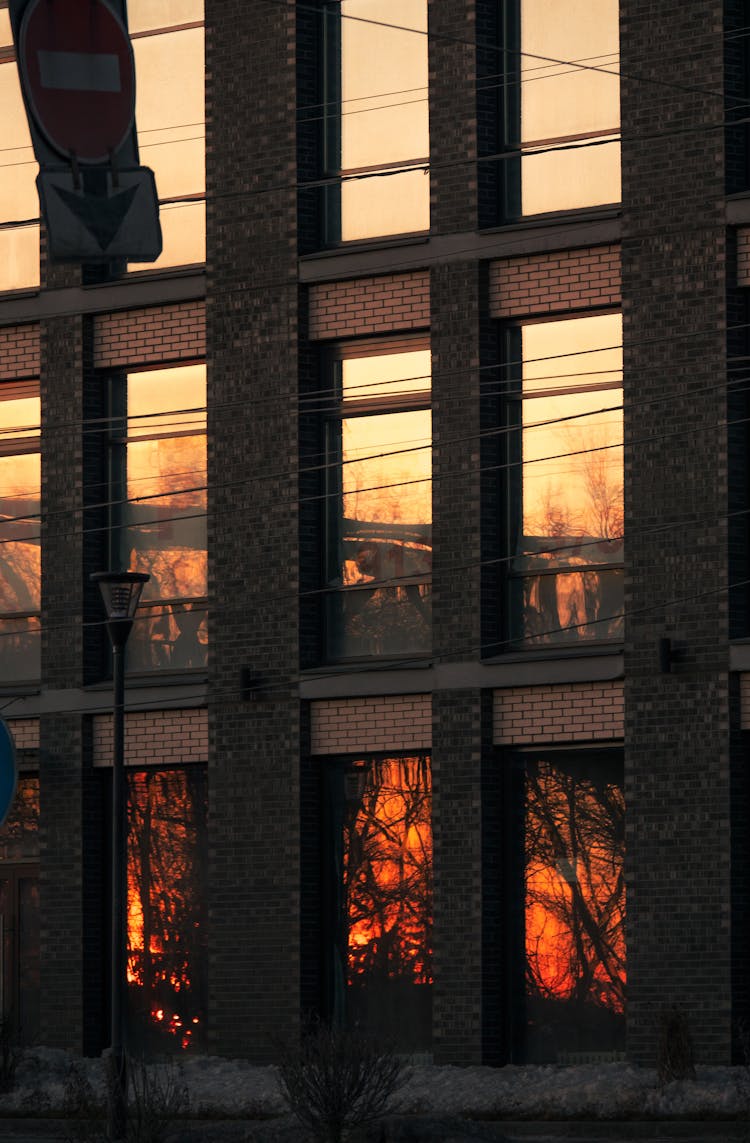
x: 511, y: 486
x: 333, y: 418
x: 515, y: 762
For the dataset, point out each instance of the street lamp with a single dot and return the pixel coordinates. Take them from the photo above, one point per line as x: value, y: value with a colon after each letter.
x: 121, y: 592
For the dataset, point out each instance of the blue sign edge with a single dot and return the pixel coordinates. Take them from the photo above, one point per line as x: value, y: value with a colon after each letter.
x: 7, y: 742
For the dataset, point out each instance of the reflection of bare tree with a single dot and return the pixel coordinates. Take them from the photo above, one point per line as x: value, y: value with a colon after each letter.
x: 575, y: 893
x: 166, y: 902
x: 388, y: 873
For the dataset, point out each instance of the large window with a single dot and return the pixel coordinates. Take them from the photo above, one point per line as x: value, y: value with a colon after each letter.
x: 560, y: 105
x: 379, y: 502
x: 376, y: 132
x: 379, y: 838
x: 19, y: 203
x: 564, y: 481
x: 167, y: 908
x: 20, y: 560
x: 573, y: 894
x: 167, y: 38
x: 158, y: 480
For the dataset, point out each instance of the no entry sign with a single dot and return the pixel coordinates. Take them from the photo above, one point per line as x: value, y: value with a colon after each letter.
x: 76, y: 66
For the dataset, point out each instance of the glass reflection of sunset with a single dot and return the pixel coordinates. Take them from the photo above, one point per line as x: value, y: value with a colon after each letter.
x: 388, y: 874
x: 575, y: 891
x: 381, y: 123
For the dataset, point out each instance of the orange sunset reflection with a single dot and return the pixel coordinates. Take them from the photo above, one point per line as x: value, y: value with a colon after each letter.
x: 166, y: 907
x: 575, y: 896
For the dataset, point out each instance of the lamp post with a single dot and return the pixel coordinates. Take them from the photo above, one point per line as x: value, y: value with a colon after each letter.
x: 121, y: 592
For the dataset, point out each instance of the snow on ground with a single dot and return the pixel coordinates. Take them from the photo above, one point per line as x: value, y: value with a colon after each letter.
x: 233, y: 1088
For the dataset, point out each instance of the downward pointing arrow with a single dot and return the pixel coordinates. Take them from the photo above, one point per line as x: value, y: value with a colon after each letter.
x: 101, y: 216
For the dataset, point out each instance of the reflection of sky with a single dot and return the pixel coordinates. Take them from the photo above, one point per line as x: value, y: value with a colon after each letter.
x: 167, y: 453
x: 578, y: 491
x: 578, y: 895
x: 559, y: 101
x: 378, y: 125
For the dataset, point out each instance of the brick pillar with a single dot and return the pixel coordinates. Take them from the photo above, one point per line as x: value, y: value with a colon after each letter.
x: 62, y: 919
x: 254, y: 740
x: 677, y: 724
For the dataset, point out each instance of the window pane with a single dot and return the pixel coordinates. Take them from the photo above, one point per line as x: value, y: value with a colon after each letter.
x: 387, y: 871
x: 20, y: 546
x: 170, y: 109
x: 183, y: 232
x: 387, y: 375
x: 6, y: 38
x: 170, y: 113
x: 19, y: 246
x: 574, y: 908
x: 146, y: 14
x: 164, y: 521
x: 19, y: 835
x: 385, y: 531
x: 570, y: 482
x: 560, y: 101
x: 384, y: 116
x: 167, y: 909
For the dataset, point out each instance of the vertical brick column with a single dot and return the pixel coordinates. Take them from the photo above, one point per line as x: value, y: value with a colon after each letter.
x: 254, y: 742
x: 677, y: 724
x: 457, y: 738
x: 453, y: 116
x: 62, y: 918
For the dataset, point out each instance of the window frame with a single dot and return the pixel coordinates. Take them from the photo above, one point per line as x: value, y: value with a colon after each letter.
x: 118, y: 439
x: 515, y: 762
x: 333, y: 419
x: 330, y: 145
x: 340, y: 780
x: 508, y: 110
x: 29, y: 444
x: 512, y: 494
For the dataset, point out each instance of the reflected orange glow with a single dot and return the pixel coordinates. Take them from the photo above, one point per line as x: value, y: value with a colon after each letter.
x: 560, y: 101
x: 166, y: 905
x: 379, y: 124
x: 575, y: 890
x: 388, y: 872
x: 572, y: 481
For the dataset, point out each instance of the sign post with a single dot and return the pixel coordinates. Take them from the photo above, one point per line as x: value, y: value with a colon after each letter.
x: 77, y: 72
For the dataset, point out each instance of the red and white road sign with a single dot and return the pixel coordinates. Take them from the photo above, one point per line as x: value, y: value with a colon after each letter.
x: 76, y: 65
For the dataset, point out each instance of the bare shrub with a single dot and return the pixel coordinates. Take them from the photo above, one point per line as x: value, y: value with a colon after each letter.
x: 158, y: 1094
x: 674, y: 1051
x: 338, y: 1079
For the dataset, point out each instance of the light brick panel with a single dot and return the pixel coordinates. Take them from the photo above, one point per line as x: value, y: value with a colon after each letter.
x: 553, y: 283
x: 149, y: 336
x: 19, y: 352
x: 743, y: 256
x: 571, y: 713
x: 390, y: 722
x: 370, y: 305
x: 25, y: 732
x: 155, y: 738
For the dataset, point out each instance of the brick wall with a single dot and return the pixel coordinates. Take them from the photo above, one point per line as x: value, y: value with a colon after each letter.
x: 150, y: 336
x: 25, y: 732
x: 252, y: 365
x: 367, y: 725
x: 369, y: 305
x: 19, y: 352
x: 576, y: 712
x: 677, y: 758
x: 556, y: 282
x: 154, y: 738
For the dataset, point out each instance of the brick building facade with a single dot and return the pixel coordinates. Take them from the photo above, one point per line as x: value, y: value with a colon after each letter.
x: 438, y: 700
